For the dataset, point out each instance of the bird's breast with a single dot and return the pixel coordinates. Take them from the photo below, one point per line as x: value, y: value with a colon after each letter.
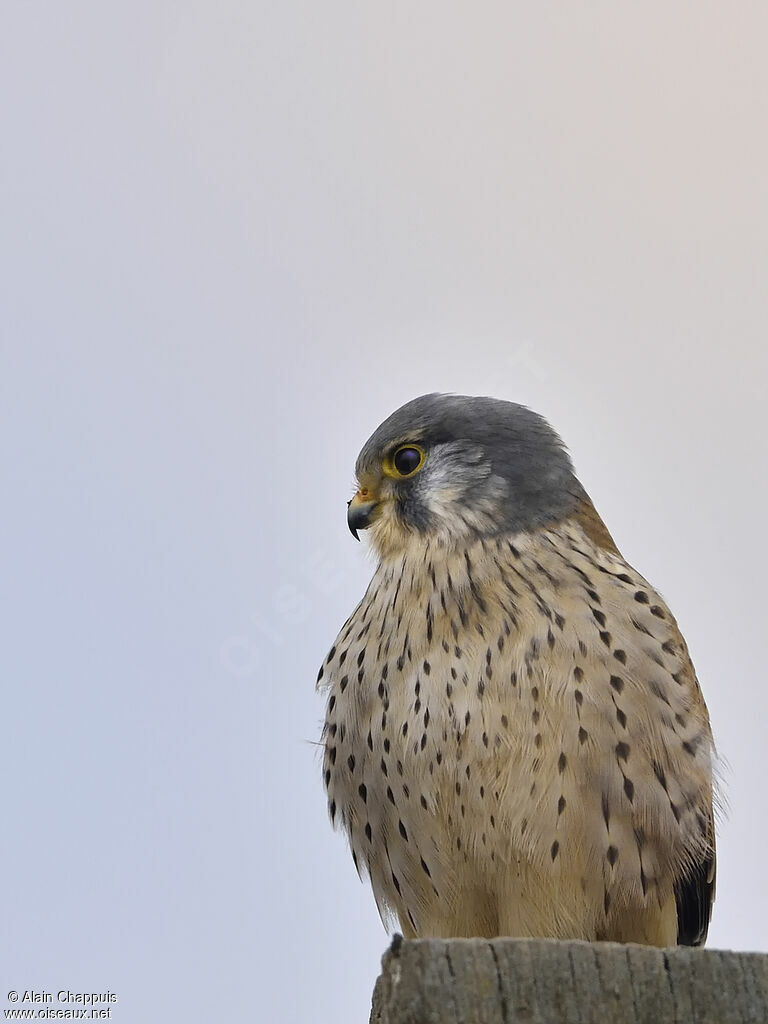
x: 526, y: 698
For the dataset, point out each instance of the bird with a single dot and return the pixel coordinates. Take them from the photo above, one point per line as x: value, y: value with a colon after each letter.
x: 515, y: 740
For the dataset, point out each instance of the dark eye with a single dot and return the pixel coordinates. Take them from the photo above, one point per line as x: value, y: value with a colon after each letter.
x: 407, y: 460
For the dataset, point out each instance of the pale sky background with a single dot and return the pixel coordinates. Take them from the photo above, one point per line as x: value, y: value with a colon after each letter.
x: 233, y: 238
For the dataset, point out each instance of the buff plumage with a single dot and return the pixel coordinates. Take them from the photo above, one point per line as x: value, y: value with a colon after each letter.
x: 515, y: 740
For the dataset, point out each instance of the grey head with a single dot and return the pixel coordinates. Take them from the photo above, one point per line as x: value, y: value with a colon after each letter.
x: 457, y: 468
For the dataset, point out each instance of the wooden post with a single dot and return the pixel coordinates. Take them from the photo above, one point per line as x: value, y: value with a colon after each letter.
x: 543, y: 981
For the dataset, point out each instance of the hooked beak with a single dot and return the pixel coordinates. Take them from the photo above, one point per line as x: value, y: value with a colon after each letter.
x: 360, y: 513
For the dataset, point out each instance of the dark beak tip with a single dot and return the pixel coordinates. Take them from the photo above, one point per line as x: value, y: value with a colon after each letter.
x: 359, y: 517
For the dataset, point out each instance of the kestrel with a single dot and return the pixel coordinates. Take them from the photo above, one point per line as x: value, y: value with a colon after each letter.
x: 515, y: 740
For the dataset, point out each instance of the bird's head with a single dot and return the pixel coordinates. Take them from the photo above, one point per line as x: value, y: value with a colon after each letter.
x: 452, y: 469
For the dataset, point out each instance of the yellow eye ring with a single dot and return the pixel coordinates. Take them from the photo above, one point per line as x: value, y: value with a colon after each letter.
x: 405, y: 461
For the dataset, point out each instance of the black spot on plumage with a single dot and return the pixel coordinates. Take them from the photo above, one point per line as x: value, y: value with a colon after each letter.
x: 368, y: 833
x: 327, y: 777
x: 331, y: 703
x: 658, y: 611
x: 583, y: 735
x: 351, y: 762
x: 320, y: 674
x: 598, y: 616
x: 344, y: 683
x: 578, y: 697
x: 342, y: 657
x: 641, y: 597
x: 332, y: 755
x: 629, y: 789
x: 332, y: 810
x: 657, y: 690
x: 621, y: 718
x: 620, y: 655
x: 606, y: 808
x: 617, y: 683
x: 402, y: 830
x: 612, y: 855
x: 622, y: 751
x: 562, y: 761
x: 362, y: 791
x: 561, y: 805
x: 554, y: 849
x: 390, y: 795
x: 606, y: 638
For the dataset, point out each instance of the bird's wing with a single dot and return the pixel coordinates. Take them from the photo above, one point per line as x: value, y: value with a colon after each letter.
x: 695, y: 888
x: 695, y: 894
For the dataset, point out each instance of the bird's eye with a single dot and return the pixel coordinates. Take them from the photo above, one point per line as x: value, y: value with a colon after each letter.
x: 407, y: 460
